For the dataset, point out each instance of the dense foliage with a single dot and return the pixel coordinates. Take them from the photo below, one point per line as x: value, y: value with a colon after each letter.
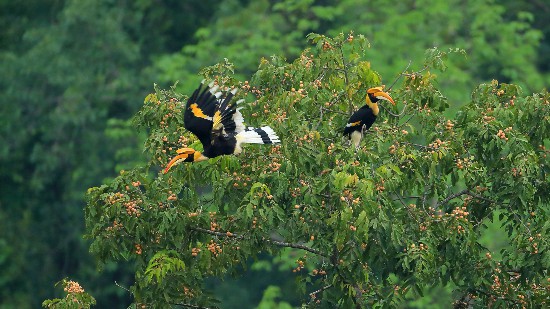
x: 368, y: 227
x: 73, y: 71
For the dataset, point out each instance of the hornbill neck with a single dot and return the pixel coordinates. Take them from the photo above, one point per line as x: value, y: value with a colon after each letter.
x: 373, y: 106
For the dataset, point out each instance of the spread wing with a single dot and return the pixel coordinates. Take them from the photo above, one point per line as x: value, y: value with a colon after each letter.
x: 199, y: 111
x: 362, y: 117
x: 227, y: 118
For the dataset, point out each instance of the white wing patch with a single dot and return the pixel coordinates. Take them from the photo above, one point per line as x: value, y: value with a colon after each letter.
x: 239, y: 120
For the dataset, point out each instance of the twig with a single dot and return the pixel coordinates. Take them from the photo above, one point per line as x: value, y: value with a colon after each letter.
x: 120, y: 286
x: 320, y: 118
x: 386, y: 110
x: 400, y: 75
x: 296, y: 246
x: 417, y: 72
x: 407, y: 121
x: 220, y: 234
x: 452, y: 196
x: 190, y: 306
x: 480, y: 197
x: 314, y: 293
x: 406, y: 207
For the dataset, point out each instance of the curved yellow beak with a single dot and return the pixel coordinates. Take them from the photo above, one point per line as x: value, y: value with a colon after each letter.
x: 381, y: 95
x: 183, y: 155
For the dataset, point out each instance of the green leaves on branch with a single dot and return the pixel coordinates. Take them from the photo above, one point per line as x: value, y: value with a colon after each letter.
x: 367, y: 228
x: 76, y: 297
x: 161, y: 265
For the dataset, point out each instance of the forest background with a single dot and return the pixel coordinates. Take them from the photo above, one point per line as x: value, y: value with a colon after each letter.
x: 72, y: 73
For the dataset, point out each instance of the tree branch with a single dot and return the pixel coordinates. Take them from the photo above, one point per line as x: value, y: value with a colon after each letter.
x: 313, y: 294
x: 400, y: 75
x: 296, y: 246
x: 400, y: 198
x: 272, y: 241
x: 387, y: 110
x: 452, y: 196
x: 464, y: 192
x: 220, y: 234
x: 120, y: 286
x: 190, y: 306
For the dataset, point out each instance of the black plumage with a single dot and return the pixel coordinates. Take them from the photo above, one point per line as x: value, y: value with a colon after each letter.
x: 216, y: 121
x: 361, y: 120
x: 365, y: 117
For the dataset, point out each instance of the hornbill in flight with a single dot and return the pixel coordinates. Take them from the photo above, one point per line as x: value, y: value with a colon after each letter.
x: 363, y: 118
x: 214, y: 118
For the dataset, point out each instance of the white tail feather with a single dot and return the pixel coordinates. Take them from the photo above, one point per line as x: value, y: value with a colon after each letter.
x: 263, y: 135
x: 214, y: 89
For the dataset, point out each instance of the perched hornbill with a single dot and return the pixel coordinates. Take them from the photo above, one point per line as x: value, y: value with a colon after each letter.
x: 363, y: 118
x: 217, y: 122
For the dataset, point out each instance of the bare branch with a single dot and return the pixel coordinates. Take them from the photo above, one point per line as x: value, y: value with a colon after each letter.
x: 416, y: 73
x: 314, y: 293
x: 407, y: 121
x: 386, y: 110
x: 124, y: 288
x: 400, y: 75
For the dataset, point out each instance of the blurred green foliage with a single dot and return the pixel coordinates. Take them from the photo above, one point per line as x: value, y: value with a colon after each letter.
x: 73, y: 72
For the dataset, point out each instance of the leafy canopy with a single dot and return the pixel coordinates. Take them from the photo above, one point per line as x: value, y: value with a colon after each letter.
x: 370, y: 228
